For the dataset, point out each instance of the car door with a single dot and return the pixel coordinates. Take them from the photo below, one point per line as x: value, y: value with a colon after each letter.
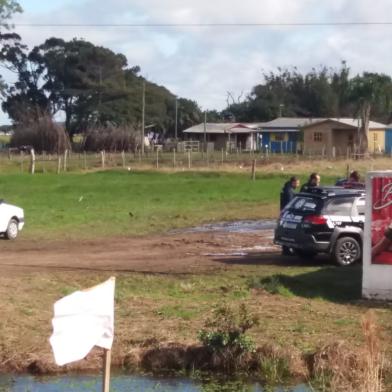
x: 4, y: 217
x: 358, y: 215
x: 339, y: 212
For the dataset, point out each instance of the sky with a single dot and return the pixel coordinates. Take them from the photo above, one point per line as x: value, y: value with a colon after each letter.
x: 205, y: 63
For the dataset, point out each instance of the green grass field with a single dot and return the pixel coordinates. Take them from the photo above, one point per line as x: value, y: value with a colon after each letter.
x: 118, y: 202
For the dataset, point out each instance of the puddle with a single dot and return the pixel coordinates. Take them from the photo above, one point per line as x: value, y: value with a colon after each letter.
x: 242, y: 226
x: 244, y: 251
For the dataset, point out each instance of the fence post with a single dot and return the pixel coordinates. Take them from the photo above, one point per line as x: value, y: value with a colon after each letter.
x: 254, y: 170
x: 103, y: 159
x: 58, y: 164
x: 157, y: 158
x: 32, y: 161
x: 85, y: 160
x: 174, y: 157
x: 22, y: 161
x: 333, y: 152
x: 223, y: 157
x: 65, y: 160
x: 189, y: 159
x: 123, y: 158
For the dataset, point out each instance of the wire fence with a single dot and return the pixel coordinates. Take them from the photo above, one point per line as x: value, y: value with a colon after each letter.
x: 29, y: 162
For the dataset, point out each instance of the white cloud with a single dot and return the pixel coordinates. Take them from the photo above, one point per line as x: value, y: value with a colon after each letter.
x: 204, y: 63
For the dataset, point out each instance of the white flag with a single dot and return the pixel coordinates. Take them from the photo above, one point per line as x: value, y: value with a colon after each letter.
x: 82, y: 320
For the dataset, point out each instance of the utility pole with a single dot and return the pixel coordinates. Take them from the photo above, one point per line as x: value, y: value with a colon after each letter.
x: 143, y: 113
x: 175, y: 124
x: 281, y: 106
x: 205, y: 131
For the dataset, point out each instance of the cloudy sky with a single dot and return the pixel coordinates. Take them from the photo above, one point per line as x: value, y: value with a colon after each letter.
x: 204, y: 63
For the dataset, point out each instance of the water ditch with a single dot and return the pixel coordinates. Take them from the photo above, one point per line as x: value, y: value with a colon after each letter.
x: 126, y: 383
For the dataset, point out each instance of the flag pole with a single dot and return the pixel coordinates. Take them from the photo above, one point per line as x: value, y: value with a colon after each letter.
x: 106, y: 370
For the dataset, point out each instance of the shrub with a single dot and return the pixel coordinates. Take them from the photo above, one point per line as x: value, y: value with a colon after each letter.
x: 110, y: 139
x: 224, y: 334
x: 42, y: 134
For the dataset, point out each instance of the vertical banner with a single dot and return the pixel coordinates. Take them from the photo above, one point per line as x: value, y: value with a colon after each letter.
x: 377, y: 251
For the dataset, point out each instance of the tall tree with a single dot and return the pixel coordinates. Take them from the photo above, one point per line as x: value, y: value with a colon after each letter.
x: 372, y: 93
x: 8, y: 39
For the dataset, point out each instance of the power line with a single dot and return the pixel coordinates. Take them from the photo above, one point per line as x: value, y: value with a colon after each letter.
x: 267, y: 24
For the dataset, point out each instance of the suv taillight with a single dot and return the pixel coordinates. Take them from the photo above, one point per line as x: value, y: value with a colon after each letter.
x: 316, y: 219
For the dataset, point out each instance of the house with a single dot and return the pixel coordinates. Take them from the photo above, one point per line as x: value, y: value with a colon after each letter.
x: 340, y: 136
x: 283, y: 135
x: 323, y: 136
x: 226, y: 136
x: 388, y: 139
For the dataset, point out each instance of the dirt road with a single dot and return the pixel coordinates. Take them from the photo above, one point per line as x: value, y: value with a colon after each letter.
x: 168, y: 253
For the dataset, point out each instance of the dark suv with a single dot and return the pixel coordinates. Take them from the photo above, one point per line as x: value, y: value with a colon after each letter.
x: 324, y: 220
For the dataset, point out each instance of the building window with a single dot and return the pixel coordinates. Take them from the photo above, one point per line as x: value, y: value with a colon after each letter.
x: 318, y: 137
x: 279, y: 137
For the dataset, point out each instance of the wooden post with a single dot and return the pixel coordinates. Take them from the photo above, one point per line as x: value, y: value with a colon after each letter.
x: 223, y: 158
x: 9, y: 154
x: 32, y: 161
x: 174, y: 157
x: 254, y: 170
x: 348, y: 171
x: 123, y: 158
x: 106, y: 370
x: 189, y: 159
x: 85, y: 160
x: 65, y: 160
x: 157, y: 158
x: 22, y: 161
x: 103, y: 159
x: 59, y: 164
x: 333, y: 152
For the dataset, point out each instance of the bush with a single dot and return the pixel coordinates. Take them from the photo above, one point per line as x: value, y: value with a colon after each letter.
x: 110, y: 139
x: 227, y: 328
x: 42, y: 134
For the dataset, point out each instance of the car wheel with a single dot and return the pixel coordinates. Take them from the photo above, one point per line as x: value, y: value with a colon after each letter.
x: 287, y: 251
x: 347, y: 251
x: 306, y: 254
x: 12, y: 230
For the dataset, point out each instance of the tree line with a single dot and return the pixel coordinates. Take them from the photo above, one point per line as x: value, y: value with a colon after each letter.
x: 95, y: 87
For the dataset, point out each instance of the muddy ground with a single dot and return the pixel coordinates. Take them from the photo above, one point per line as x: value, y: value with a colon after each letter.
x: 168, y: 253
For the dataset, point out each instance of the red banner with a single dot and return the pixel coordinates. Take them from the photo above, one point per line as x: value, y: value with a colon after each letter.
x: 381, y: 220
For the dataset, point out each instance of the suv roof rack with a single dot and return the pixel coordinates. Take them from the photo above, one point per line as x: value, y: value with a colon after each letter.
x: 325, y: 191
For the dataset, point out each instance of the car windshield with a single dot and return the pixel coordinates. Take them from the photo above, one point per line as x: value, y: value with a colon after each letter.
x: 304, y: 204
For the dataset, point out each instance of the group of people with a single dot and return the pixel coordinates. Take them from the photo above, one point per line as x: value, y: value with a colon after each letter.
x: 288, y: 190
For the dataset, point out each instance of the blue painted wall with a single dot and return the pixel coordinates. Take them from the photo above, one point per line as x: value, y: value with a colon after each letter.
x: 388, y: 141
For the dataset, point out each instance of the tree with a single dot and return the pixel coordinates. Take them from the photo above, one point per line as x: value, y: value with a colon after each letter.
x: 8, y: 39
x: 371, y: 92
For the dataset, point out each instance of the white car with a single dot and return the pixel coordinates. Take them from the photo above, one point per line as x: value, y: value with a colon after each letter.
x: 11, y: 220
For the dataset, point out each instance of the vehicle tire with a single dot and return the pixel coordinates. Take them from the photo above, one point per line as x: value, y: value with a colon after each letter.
x: 306, y: 254
x: 287, y: 251
x: 347, y: 251
x: 12, y: 230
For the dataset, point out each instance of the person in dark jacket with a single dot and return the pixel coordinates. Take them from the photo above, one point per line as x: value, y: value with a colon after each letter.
x: 314, y: 181
x: 287, y: 193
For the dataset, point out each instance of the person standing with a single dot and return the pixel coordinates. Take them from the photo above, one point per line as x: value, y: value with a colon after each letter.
x: 314, y: 181
x: 287, y: 193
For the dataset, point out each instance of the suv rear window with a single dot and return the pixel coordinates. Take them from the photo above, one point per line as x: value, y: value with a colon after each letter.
x: 304, y: 204
x: 339, y: 206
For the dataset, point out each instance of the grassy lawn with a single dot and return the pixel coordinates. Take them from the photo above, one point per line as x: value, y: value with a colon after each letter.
x: 122, y: 203
x: 311, y: 307
x: 301, y: 307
